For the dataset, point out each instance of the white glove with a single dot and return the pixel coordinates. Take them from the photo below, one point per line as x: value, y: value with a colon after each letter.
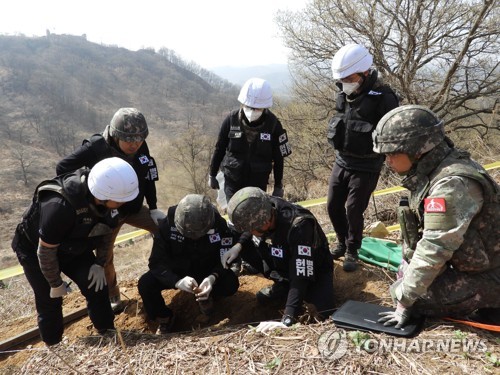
x: 230, y: 255
x: 186, y: 284
x: 97, y: 277
x: 267, y: 327
x: 399, y: 318
x: 60, y: 291
x: 156, y: 215
x: 205, y: 288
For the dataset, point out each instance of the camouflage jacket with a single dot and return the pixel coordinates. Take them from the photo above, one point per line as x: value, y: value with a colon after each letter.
x: 455, y: 203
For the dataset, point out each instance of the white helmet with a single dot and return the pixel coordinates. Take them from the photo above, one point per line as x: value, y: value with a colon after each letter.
x: 256, y: 93
x: 352, y: 58
x: 113, y: 179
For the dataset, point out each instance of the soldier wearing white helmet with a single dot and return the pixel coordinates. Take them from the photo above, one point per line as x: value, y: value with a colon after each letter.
x: 251, y: 144
x: 124, y: 137
x: 449, y: 237
x: 70, y: 217
x: 361, y: 102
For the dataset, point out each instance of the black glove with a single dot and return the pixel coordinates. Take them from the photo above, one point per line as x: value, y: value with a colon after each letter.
x: 213, y: 183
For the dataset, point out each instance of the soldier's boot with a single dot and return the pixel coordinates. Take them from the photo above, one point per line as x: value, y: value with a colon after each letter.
x: 350, y: 261
x: 339, y: 251
x: 487, y: 315
x: 117, y: 304
x: 165, y: 325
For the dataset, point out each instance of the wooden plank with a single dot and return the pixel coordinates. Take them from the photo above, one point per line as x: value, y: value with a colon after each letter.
x: 35, y: 333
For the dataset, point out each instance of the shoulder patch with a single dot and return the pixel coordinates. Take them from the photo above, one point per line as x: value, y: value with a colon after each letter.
x: 435, y: 205
x: 304, y: 250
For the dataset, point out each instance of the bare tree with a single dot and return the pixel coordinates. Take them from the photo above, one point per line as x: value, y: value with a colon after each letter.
x: 438, y: 53
x: 191, y: 151
x: 310, y: 163
x: 24, y: 158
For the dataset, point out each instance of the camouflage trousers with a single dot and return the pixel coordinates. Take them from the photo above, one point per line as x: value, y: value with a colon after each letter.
x: 142, y: 220
x: 455, y: 293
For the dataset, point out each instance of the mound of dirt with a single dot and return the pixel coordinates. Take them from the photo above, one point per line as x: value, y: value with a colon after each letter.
x: 367, y: 284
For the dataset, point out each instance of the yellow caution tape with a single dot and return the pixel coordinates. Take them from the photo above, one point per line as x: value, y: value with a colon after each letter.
x: 18, y: 270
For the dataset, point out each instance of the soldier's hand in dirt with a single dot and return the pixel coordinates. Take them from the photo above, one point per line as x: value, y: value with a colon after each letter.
x: 187, y: 284
x: 268, y: 327
x: 229, y: 256
x: 203, y: 291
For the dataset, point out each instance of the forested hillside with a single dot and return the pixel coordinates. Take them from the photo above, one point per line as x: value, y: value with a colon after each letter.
x: 59, y: 89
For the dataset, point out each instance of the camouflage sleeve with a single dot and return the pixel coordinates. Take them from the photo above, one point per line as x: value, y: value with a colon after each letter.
x: 49, y: 264
x: 448, y: 211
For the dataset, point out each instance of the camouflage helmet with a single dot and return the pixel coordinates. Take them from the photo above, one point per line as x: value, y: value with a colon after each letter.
x: 194, y: 216
x: 409, y: 129
x: 128, y: 125
x: 249, y: 209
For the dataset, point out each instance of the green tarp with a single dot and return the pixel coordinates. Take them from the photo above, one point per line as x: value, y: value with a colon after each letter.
x: 380, y: 252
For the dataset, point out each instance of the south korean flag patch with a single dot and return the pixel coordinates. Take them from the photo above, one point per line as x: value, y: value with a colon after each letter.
x: 265, y: 136
x: 214, y: 238
x: 277, y: 252
x: 226, y: 241
x: 304, y: 250
x: 144, y: 159
x: 284, y: 146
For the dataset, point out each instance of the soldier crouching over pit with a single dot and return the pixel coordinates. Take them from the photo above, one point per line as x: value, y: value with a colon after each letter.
x: 293, y: 248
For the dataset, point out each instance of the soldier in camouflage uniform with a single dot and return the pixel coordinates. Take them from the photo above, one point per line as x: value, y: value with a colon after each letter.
x: 293, y: 251
x: 451, y: 243
x: 186, y: 255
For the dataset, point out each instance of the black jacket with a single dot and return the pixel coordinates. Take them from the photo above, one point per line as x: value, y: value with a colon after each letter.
x: 240, y: 157
x: 298, y: 250
x: 173, y: 256
x: 350, y: 130
x: 97, y: 148
x: 72, y: 197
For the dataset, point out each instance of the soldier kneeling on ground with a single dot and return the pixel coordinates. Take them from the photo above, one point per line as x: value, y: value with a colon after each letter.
x: 292, y: 251
x: 451, y: 247
x: 186, y: 256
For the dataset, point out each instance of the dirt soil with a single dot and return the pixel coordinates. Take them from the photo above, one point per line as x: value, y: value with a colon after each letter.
x: 241, y: 309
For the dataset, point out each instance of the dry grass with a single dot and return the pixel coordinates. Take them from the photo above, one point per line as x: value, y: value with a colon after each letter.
x: 240, y: 350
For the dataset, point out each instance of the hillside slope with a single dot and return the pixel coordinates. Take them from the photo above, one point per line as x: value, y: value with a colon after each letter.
x: 59, y: 89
